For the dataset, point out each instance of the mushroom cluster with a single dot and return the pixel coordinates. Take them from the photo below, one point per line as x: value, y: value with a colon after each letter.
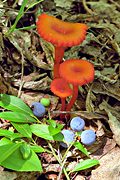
x: 61, y: 34
x: 72, y: 71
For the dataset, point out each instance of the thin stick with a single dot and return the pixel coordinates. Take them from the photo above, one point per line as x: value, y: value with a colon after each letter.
x: 22, y: 74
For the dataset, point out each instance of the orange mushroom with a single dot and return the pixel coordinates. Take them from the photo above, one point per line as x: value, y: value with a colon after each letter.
x: 61, y: 34
x: 61, y: 88
x: 77, y: 72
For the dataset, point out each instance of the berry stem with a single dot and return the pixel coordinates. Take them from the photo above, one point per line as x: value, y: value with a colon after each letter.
x: 59, y: 53
x: 74, y: 97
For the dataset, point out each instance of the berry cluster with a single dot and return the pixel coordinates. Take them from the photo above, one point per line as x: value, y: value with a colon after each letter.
x: 77, y: 124
x: 39, y: 107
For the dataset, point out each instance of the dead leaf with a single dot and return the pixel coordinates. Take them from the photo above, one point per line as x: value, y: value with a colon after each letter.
x: 112, y: 90
x: 113, y: 121
x: 115, y: 127
x: 42, y: 84
x: 109, y: 168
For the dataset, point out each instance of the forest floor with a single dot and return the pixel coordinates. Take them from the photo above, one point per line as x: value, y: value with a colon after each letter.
x: 26, y: 64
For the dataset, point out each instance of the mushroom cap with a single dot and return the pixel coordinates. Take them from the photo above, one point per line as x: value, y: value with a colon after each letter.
x: 60, y: 33
x: 60, y: 88
x: 77, y: 71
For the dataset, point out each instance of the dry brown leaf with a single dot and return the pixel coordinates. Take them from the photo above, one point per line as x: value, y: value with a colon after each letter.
x: 109, y: 168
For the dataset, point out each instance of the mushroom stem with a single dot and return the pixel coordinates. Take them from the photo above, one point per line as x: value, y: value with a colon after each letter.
x: 74, y: 97
x: 63, y: 104
x: 62, y: 107
x: 59, y: 53
x: 55, y: 71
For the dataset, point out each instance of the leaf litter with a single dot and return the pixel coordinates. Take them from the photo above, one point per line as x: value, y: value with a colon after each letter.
x: 26, y: 63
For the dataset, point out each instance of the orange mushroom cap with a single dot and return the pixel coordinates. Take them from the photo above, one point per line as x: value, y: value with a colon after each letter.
x: 60, y: 88
x: 77, y: 71
x: 60, y: 33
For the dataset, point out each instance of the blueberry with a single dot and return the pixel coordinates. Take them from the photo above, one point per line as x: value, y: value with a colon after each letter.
x: 77, y: 124
x: 38, y: 109
x: 68, y: 137
x: 88, y: 137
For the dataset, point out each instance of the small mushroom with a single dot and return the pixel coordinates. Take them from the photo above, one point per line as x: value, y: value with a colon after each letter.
x: 61, y: 34
x: 61, y: 88
x: 77, y: 72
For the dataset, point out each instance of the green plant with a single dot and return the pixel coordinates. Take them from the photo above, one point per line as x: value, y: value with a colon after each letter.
x: 19, y: 148
x: 21, y: 12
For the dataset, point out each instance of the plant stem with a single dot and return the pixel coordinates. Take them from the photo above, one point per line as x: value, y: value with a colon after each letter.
x: 64, y: 161
x: 22, y: 75
x: 59, y: 161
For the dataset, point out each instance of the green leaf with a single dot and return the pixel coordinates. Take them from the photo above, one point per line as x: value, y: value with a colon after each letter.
x: 4, y: 141
x: 14, y: 103
x: 24, y: 129
x: 58, y: 137
x: 20, y: 14
x: 41, y: 130
x: 37, y: 149
x: 60, y: 126
x: 17, y: 117
x: 6, y: 133
x: 54, y: 128
x: 85, y: 164
x: 25, y: 150
x: 52, y: 123
x: 7, y: 150
x: 9, y: 134
x: 16, y: 162
x: 81, y: 148
x: 33, y: 3
x: 53, y: 131
x: 16, y: 136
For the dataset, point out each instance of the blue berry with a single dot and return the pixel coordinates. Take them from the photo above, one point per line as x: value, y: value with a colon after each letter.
x: 38, y: 109
x: 88, y: 137
x: 77, y: 124
x: 68, y: 137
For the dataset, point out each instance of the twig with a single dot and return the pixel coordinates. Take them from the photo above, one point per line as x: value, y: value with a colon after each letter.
x: 22, y: 74
x: 64, y: 161
x: 115, y: 3
x: 86, y: 7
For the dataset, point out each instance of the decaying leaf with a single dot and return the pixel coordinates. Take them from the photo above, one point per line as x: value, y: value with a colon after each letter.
x: 105, y: 78
x: 111, y: 90
x: 89, y: 104
x: 49, y: 51
x: 27, y: 59
x: 63, y: 3
x: 42, y: 84
x: 114, y: 120
x: 115, y: 127
x: 109, y: 166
